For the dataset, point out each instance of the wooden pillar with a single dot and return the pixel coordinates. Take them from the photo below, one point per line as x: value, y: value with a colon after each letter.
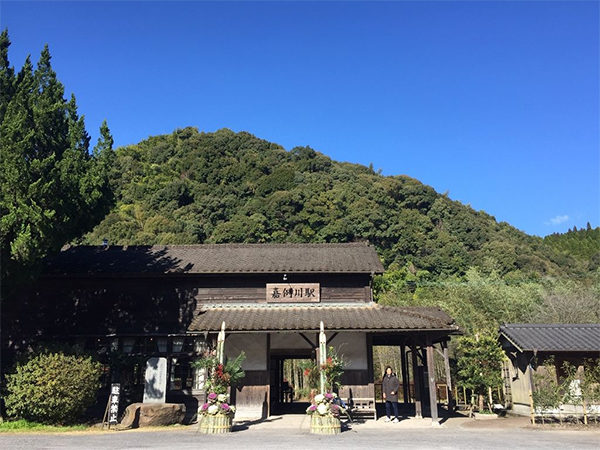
x: 280, y: 385
x: 432, y: 387
x: 269, y: 381
x: 371, y: 371
x: 404, y: 364
x: 448, y: 379
x: 416, y: 381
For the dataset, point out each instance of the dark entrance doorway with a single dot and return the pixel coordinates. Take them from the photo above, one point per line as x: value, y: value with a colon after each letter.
x: 289, y: 394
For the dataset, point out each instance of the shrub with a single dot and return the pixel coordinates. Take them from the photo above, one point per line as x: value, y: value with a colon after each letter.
x: 52, y: 388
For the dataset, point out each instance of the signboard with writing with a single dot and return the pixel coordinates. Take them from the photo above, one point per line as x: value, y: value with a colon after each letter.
x: 293, y: 292
x: 113, y: 408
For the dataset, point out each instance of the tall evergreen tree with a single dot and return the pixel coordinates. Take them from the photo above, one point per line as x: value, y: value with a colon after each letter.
x: 6, y: 74
x: 53, y: 189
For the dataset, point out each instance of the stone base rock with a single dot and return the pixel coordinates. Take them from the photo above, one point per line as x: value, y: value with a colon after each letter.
x: 152, y: 414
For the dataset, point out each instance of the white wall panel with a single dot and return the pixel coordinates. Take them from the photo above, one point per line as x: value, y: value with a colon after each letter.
x: 290, y: 341
x: 353, y: 347
x: 253, y: 344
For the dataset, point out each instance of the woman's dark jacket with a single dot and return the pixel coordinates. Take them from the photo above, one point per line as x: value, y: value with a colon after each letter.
x: 390, y: 384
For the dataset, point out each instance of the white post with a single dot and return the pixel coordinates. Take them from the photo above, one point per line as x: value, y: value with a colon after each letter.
x: 221, y: 344
x: 322, y: 356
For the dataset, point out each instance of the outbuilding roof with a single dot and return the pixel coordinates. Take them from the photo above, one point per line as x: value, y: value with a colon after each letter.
x: 553, y: 337
x: 371, y: 317
x: 217, y: 258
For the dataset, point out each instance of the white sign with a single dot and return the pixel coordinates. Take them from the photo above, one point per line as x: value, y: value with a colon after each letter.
x: 113, y: 411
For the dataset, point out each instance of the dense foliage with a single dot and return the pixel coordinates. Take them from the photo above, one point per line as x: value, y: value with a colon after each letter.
x: 52, y: 388
x: 583, y: 244
x: 482, y: 302
x: 53, y: 189
x: 190, y: 187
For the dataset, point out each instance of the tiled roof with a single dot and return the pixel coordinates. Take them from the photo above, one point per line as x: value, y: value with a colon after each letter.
x: 218, y: 258
x: 307, y: 318
x: 553, y: 337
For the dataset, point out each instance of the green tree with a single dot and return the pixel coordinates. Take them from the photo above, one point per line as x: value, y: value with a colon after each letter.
x: 53, y: 189
x: 480, y: 364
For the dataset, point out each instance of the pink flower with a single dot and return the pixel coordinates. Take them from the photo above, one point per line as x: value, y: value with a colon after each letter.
x: 212, y: 396
x: 204, y: 407
x: 328, y: 396
x: 225, y: 406
x: 312, y: 408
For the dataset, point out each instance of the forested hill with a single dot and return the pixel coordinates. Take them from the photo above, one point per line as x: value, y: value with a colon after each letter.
x: 190, y: 187
x: 583, y: 244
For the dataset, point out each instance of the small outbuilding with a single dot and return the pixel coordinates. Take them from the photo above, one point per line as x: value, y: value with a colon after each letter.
x: 529, y: 346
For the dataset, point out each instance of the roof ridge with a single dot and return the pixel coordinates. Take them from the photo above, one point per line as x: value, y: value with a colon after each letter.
x: 347, y: 257
x: 287, y: 305
x: 233, y: 245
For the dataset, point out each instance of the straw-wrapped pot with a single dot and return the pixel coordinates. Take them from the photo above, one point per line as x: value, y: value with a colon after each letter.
x: 325, y: 424
x: 215, y: 424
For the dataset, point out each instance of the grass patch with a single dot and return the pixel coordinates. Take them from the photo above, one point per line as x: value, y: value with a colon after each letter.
x: 17, y: 426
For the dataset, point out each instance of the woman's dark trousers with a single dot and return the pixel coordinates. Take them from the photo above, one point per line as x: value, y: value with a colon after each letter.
x: 388, y: 407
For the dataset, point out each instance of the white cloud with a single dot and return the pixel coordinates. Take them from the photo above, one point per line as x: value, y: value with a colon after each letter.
x: 557, y: 220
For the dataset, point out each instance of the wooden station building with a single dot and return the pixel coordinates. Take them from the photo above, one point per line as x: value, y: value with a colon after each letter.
x: 131, y: 303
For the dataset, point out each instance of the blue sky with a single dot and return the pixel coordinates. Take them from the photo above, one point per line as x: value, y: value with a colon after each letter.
x: 495, y: 102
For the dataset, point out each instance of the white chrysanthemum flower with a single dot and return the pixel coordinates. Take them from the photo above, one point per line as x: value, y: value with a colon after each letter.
x: 319, y: 398
x: 232, y: 408
x: 222, y: 397
x: 213, y: 409
x: 322, y: 409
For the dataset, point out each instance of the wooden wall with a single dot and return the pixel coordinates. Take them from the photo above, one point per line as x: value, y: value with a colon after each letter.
x: 251, y: 399
x: 151, y: 304
x: 252, y: 289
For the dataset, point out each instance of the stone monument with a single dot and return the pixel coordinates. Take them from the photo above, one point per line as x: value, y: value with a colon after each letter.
x: 155, y: 384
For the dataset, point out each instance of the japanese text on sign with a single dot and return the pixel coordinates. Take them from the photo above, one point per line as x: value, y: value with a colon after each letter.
x: 295, y: 293
x: 113, y: 411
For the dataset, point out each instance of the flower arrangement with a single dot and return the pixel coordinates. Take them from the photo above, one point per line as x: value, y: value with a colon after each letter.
x: 333, y: 368
x: 217, y: 404
x: 221, y: 376
x: 325, y: 405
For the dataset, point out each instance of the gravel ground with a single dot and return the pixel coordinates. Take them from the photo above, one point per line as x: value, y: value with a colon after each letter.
x: 283, y: 433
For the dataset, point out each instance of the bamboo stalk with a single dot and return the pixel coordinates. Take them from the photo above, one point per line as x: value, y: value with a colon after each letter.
x: 531, y: 408
x: 322, y: 357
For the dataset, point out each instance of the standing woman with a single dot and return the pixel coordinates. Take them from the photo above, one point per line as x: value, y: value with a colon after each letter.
x: 390, y: 386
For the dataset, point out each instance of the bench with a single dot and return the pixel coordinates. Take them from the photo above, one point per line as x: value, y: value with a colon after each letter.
x: 362, y: 407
